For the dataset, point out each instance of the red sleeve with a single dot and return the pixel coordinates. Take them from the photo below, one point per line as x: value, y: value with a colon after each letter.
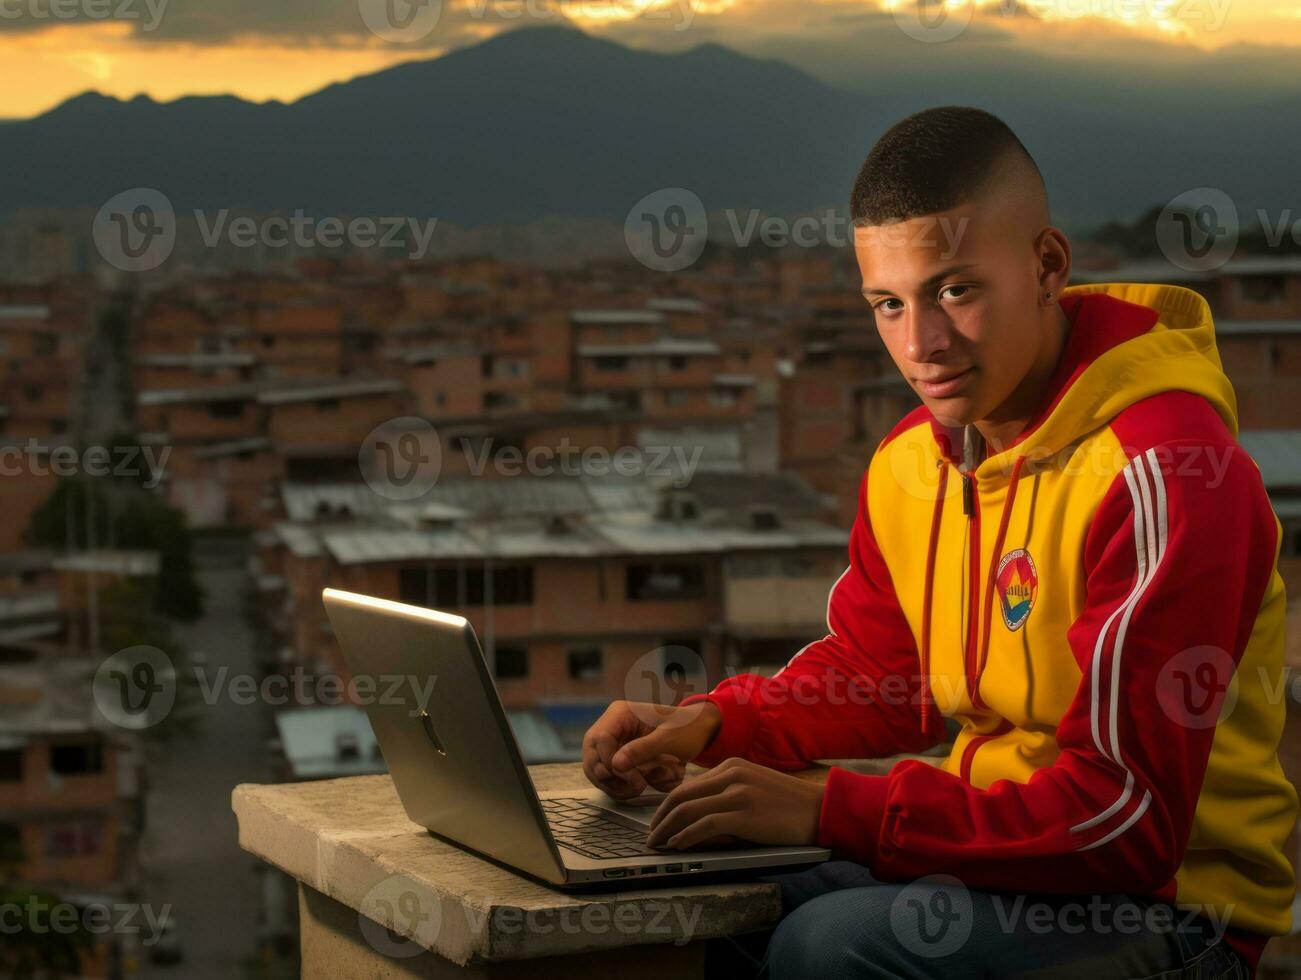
x: 1176, y: 566
x: 852, y: 694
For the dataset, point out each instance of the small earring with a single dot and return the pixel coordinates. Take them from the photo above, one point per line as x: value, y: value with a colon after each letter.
x: 1048, y: 296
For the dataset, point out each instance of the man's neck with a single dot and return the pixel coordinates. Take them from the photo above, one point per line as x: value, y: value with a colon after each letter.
x: 1019, y: 410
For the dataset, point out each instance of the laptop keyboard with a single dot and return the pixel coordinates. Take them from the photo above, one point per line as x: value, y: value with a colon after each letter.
x: 589, y: 830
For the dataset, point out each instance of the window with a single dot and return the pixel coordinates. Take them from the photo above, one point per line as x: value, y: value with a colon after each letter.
x: 77, y: 758
x: 510, y: 662
x: 676, y: 398
x: 46, y: 345
x: 585, y: 663
x: 1263, y: 289
x: 11, y: 844
x: 798, y: 567
x: 612, y: 363
x: 226, y: 410
x: 327, y: 404
x: 72, y: 839
x: 680, y: 660
x: 414, y: 585
x: 677, y: 363
x: 666, y: 580
x: 512, y: 585
x: 11, y: 765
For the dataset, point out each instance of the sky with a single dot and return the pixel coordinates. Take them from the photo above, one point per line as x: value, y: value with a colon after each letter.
x: 52, y: 50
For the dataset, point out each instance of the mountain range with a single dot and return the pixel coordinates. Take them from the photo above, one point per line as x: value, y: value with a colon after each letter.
x: 551, y: 122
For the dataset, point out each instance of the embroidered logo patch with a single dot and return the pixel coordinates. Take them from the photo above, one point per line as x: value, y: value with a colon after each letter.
x: 1016, y: 582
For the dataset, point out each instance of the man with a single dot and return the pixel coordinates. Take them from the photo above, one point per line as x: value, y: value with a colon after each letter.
x: 1065, y: 554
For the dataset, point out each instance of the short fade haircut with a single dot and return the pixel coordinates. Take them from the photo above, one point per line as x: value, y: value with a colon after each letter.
x: 932, y: 161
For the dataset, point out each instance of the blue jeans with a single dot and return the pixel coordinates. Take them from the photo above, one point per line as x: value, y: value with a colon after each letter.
x: 840, y: 922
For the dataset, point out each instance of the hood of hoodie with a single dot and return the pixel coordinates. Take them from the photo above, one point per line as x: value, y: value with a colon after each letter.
x: 1127, y: 341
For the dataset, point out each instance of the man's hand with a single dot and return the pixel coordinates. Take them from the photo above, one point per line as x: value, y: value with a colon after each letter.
x: 635, y: 744
x: 738, y: 800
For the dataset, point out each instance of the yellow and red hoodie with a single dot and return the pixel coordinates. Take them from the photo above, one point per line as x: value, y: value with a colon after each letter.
x: 1097, y: 605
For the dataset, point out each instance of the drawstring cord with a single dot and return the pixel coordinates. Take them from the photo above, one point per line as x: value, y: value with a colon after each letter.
x: 937, y: 515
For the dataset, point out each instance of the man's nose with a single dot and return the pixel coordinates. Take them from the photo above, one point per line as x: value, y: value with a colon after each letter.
x: 927, y: 334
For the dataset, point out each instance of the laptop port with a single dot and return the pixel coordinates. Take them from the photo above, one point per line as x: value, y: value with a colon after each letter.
x: 670, y: 868
x: 695, y: 866
x: 648, y: 870
x: 616, y: 873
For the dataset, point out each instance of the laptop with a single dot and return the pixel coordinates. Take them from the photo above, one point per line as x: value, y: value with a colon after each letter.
x: 458, y: 770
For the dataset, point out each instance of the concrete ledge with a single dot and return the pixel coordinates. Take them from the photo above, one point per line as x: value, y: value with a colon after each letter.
x: 350, y: 841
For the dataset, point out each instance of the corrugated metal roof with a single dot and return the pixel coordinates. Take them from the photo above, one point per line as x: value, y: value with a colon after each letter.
x: 1161, y: 270
x: 29, y: 604
x: 660, y: 347
x: 670, y: 304
x: 1235, y: 328
x: 114, y: 562
x: 21, y: 312
x: 311, y: 737
x: 232, y: 448
x: 342, y: 389
x: 359, y: 546
x: 196, y: 360
x: 301, y: 541
x: 616, y: 316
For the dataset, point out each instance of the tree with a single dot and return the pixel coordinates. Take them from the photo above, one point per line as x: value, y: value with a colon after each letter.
x: 123, y: 512
x: 36, y: 950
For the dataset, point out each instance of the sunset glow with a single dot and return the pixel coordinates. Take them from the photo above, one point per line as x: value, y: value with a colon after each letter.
x: 49, y: 62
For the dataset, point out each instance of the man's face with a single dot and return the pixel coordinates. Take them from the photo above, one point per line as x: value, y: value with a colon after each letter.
x: 956, y: 301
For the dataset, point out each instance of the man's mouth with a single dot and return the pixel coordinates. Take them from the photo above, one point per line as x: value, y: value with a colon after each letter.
x: 944, y: 384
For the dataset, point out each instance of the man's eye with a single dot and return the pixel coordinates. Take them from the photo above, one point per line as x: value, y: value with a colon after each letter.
x: 882, y: 305
x: 961, y: 290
